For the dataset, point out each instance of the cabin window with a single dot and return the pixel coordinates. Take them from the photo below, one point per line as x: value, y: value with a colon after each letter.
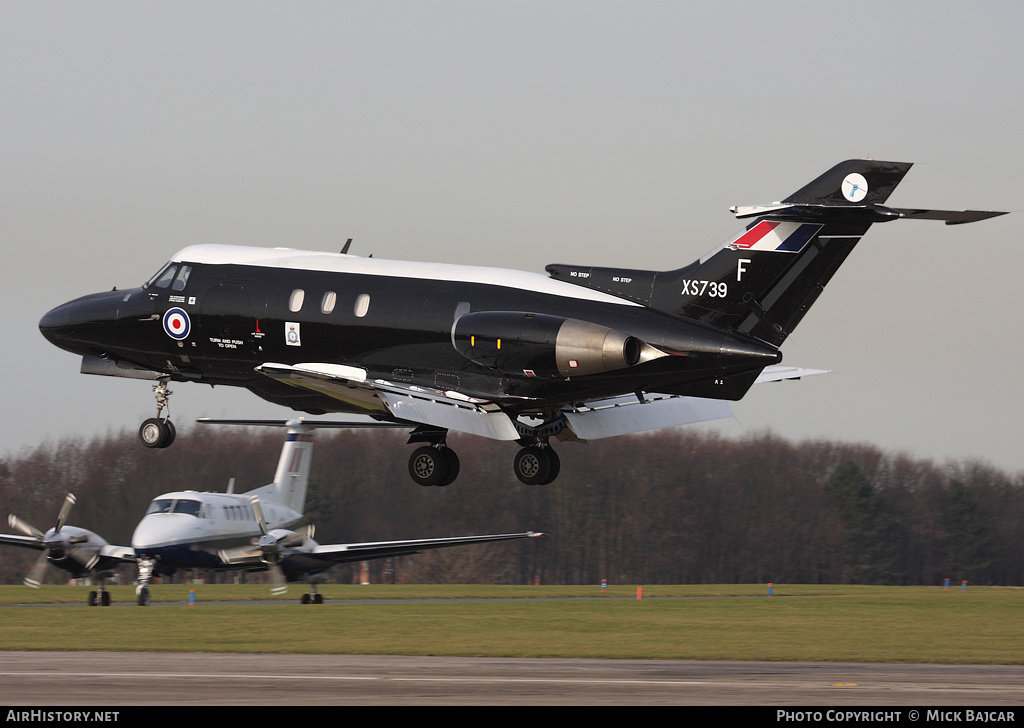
x: 327, y: 305
x: 362, y: 305
x: 295, y: 300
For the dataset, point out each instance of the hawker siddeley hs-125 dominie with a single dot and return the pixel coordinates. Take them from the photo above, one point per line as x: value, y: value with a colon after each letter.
x: 580, y: 354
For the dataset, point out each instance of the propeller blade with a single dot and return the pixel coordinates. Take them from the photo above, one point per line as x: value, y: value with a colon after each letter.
x: 26, y: 529
x: 278, y: 580
x: 86, y: 557
x: 35, y: 577
x: 239, y: 553
x: 258, y: 510
x: 65, y: 511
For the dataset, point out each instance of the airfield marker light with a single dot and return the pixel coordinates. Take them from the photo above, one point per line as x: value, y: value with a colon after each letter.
x: 191, y: 597
x: 963, y: 585
x: 946, y: 587
x: 639, y: 592
x: 604, y: 585
x: 771, y: 587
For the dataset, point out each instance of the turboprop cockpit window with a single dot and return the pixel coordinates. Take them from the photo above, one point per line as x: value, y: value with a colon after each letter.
x: 190, y: 507
x: 160, y: 505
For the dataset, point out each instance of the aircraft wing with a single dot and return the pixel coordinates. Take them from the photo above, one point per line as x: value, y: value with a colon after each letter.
x: 416, y: 405
x: 457, y: 411
x: 345, y: 553
x: 124, y: 554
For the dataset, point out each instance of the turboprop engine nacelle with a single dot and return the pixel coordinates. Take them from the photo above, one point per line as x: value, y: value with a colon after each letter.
x: 540, y: 345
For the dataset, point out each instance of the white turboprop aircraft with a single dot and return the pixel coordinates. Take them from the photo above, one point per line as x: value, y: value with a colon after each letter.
x: 222, y: 531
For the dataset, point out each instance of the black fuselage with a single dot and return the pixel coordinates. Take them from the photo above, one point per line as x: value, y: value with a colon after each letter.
x: 227, y: 318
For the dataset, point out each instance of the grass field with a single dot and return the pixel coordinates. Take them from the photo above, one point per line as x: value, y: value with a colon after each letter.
x: 834, y: 623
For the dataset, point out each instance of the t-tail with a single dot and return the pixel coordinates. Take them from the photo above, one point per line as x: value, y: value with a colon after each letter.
x: 762, y: 281
x: 292, y: 475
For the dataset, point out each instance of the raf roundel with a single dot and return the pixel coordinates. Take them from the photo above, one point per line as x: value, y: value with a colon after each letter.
x: 176, y: 324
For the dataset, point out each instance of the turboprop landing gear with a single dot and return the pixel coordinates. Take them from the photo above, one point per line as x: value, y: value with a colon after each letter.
x: 145, y: 565
x: 537, y: 464
x: 100, y: 597
x: 313, y: 597
x: 158, y: 432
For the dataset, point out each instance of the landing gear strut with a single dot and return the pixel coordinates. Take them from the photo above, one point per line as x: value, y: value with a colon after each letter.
x: 145, y: 565
x: 158, y: 432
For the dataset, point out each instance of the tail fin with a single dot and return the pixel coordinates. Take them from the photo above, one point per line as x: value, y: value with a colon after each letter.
x: 292, y: 475
x: 763, y: 281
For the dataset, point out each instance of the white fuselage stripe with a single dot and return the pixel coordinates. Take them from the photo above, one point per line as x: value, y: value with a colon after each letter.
x: 340, y: 263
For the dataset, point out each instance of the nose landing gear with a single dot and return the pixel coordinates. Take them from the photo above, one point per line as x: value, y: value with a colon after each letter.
x: 158, y: 432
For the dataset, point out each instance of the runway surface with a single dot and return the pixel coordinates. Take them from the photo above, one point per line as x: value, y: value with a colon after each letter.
x: 148, y: 678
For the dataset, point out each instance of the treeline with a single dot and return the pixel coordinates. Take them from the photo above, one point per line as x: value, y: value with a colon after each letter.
x: 669, y: 507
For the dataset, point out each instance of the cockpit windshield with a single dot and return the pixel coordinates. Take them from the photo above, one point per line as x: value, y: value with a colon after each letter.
x: 170, y: 505
x: 191, y: 507
x: 160, y: 505
x: 173, y: 276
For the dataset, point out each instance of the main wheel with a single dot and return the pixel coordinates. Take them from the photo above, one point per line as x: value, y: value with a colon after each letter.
x: 92, y: 599
x: 143, y: 596
x: 155, y: 433
x: 556, y: 465
x: 532, y: 465
x: 318, y: 599
x: 428, y: 466
x: 105, y: 599
x: 452, y: 463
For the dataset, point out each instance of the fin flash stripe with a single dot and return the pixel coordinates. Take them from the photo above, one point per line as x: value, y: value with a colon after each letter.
x: 779, y: 237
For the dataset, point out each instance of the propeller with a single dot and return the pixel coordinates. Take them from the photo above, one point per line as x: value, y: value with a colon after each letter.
x: 55, y: 546
x: 268, y: 547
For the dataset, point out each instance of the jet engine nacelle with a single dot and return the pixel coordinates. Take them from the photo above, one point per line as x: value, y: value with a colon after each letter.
x: 541, y: 345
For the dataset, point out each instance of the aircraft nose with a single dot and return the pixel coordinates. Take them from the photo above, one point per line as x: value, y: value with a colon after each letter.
x: 87, y: 320
x: 54, y: 325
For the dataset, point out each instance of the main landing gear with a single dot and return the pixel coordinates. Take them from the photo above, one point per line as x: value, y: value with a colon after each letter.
x: 100, y: 597
x: 158, y: 432
x: 537, y: 464
x: 437, y: 464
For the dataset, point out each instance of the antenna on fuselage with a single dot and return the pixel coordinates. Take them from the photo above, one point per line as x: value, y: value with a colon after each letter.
x: 231, y: 485
x: 344, y: 250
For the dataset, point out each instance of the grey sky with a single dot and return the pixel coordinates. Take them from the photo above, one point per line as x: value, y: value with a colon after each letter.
x: 518, y: 134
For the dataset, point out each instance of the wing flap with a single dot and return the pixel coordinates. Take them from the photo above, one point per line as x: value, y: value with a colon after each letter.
x: 627, y: 414
x: 448, y: 409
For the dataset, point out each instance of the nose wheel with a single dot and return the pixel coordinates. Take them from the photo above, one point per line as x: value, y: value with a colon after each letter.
x: 158, y: 432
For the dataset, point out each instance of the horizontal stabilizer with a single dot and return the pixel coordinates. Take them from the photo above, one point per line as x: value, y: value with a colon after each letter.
x: 952, y: 217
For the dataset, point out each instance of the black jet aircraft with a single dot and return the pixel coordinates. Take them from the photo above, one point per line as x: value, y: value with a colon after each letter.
x: 579, y: 354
